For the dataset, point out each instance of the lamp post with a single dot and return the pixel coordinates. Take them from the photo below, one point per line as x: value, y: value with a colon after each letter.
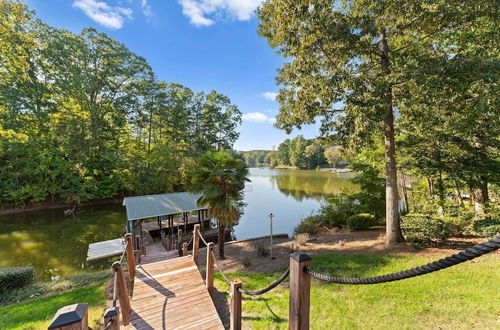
x: 271, y: 216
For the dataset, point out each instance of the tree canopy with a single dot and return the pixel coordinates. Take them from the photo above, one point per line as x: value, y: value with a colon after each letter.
x: 82, y: 117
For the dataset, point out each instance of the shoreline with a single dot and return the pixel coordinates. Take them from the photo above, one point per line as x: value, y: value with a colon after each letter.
x: 58, y: 205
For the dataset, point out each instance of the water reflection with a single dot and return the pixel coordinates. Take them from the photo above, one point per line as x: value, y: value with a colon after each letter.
x: 308, y: 184
x: 56, y: 244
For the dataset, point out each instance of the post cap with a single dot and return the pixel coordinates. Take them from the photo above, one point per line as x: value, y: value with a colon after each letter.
x: 111, y: 312
x: 69, y: 315
x: 115, y: 264
x: 300, y: 256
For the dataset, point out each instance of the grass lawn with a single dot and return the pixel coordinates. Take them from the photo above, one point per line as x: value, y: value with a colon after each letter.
x: 463, y: 296
x: 37, y: 313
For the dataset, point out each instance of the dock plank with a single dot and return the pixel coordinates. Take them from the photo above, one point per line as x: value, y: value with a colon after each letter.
x: 171, y: 294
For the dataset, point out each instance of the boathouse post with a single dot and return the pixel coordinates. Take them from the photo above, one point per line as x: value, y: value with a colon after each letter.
x: 300, y: 285
x: 122, y: 292
x: 235, y: 305
x: 209, y: 280
x: 130, y: 257
x: 196, y: 242
x: 112, y: 315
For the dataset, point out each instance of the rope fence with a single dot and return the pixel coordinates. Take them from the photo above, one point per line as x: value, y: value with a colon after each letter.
x: 269, y: 288
x: 455, y: 259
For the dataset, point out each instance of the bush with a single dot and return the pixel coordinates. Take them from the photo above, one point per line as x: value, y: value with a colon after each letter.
x: 361, y: 221
x: 310, y: 225
x: 421, y: 228
x: 15, y: 277
x: 487, y: 227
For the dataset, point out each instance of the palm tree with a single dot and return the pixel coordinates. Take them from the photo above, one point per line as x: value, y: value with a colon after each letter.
x: 220, y: 178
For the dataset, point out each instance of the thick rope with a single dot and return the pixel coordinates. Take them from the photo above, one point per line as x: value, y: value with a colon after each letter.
x: 219, y: 268
x: 269, y: 288
x: 203, y: 239
x: 466, y: 255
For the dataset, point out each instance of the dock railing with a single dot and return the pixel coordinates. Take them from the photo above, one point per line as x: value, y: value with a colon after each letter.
x: 65, y: 317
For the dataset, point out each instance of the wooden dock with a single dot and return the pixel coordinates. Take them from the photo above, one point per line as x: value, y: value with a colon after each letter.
x: 171, y: 294
x: 105, y: 249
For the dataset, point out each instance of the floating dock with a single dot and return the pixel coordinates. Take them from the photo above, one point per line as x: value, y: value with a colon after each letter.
x: 105, y: 249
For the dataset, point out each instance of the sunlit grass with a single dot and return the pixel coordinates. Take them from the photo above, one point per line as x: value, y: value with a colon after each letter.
x: 464, y: 296
x: 37, y: 313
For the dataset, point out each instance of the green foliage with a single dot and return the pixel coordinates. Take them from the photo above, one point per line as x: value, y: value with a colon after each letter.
x: 82, y: 117
x: 424, y: 229
x: 15, y: 277
x: 361, y: 221
x: 487, y: 227
x: 220, y: 177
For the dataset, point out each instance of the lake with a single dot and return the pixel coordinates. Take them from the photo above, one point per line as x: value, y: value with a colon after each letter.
x: 56, y: 244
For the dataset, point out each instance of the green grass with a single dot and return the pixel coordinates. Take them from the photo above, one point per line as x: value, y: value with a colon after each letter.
x: 464, y: 296
x: 37, y: 313
x: 64, y: 284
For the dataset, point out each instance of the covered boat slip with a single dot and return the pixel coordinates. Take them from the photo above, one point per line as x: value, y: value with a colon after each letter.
x: 172, y: 212
x: 165, y: 208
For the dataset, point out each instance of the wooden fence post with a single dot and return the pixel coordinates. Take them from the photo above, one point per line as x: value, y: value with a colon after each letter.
x: 196, y: 242
x: 185, y: 249
x: 122, y: 292
x: 300, y: 283
x: 209, y: 280
x: 130, y: 258
x: 111, y: 314
x: 71, y: 317
x: 235, y: 304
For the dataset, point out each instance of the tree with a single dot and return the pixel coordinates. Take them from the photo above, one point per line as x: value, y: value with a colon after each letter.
x: 346, y: 62
x: 220, y: 178
x: 333, y: 155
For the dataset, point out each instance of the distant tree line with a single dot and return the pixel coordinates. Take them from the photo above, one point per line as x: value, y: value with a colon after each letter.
x: 297, y: 152
x: 82, y: 117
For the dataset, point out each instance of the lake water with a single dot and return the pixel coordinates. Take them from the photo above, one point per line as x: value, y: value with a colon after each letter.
x: 56, y: 244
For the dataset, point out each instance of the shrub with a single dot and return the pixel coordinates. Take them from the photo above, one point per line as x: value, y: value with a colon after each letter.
x: 487, y: 227
x: 420, y: 228
x: 302, y: 239
x: 261, y: 249
x: 310, y: 225
x: 361, y: 221
x: 15, y: 277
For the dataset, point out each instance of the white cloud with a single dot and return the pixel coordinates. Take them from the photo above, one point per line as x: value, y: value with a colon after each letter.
x: 203, y: 12
x: 269, y: 95
x: 146, y: 8
x: 258, y: 117
x: 104, y: 14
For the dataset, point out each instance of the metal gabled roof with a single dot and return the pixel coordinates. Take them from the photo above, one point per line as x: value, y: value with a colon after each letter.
x: 150, y: 206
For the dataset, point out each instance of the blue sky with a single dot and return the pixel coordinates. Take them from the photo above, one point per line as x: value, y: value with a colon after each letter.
x: 203, y: 44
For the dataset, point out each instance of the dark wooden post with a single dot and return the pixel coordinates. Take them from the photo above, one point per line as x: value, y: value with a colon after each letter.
x: 111, y: 315
x: 209, y: 281
x: 122, y: 292
x: 71, y: 317
x: 196, y: 242
x: 185, y: 249
x: 235, y: 304
x: 130, y: 257
x: 300, y: 283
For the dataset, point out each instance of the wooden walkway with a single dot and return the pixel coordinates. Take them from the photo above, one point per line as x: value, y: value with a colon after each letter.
x: 169, y: 293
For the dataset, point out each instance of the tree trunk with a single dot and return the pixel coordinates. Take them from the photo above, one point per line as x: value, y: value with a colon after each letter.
x: 441, y: 194
x: 430, y: 188
x: 460, y: 200
x: 393, y: 227
x: 221, y: 238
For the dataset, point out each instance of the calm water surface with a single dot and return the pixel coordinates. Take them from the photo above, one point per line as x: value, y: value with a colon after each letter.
x: 56, y: 244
